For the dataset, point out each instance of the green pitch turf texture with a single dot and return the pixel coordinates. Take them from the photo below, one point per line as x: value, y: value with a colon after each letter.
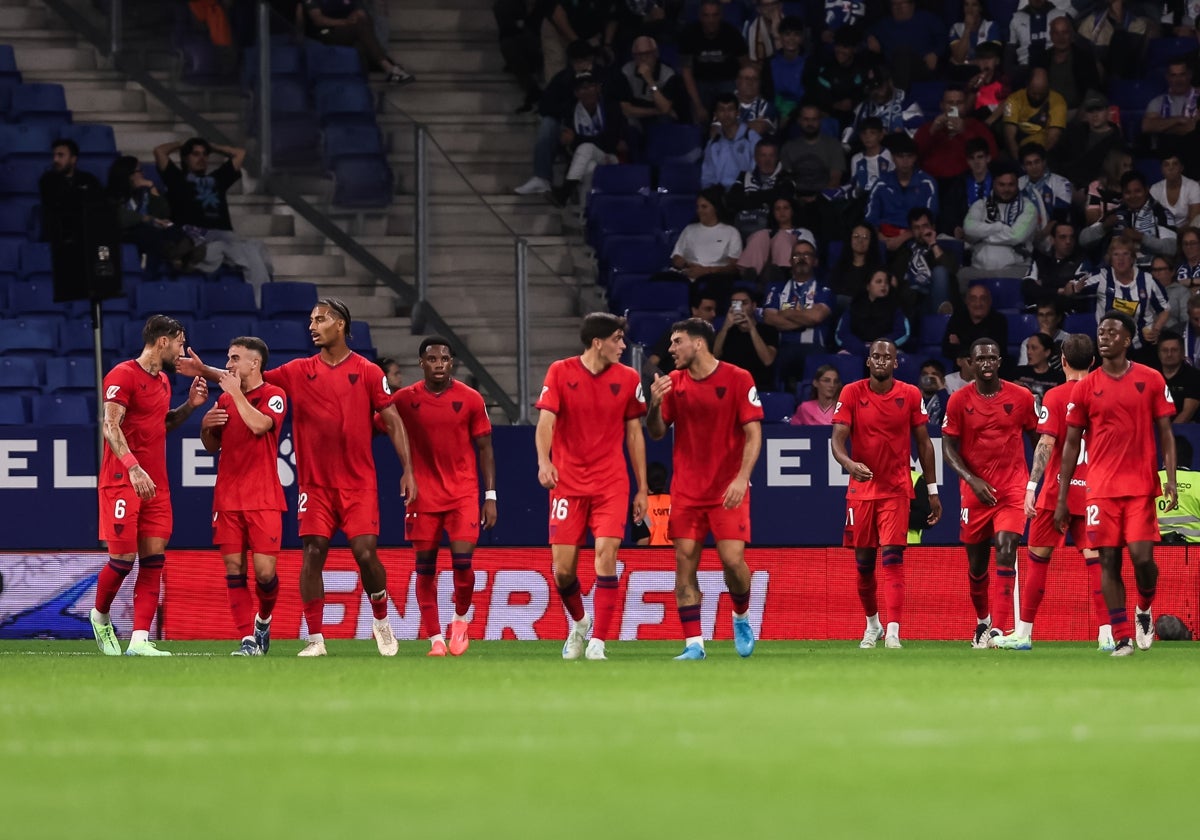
x: 801, y: 740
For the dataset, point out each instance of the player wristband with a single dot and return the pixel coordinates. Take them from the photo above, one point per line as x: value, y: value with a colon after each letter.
x: 489, y: 495
x: 1031, y: 485
x: 932, y: 488
x: 129, y: 461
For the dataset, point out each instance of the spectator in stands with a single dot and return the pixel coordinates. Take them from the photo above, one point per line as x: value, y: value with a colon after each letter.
x: 393, y: 373
x: 899, y: 112
x: 1139, y: 218
x: 65, y: 190
x: 711, y: 51
x: 568, y: 21
x: 1071, y: 66
x: 976, y: 319
x: 1050, y: 323
x: 755, y: 191
x: 1191, y: 334
x: 788, y: 71
x: 1036, y: 373
x: 768, y: 253
x: 1104, y: 195
x: 1177, y: 193
x: 1088, y: 140
x: 842, y: 16
x: 1056, y: 276
x: 707, y: 250
x: 557, y: 98
x: 649, y: 91
x: 753, y: 109
x: 593, y: 135
x: 973, y: 30
x: 800, y: 309
x: 1183, y: 380
x: 658, y: 358
x: 928, y: 269
x: 987, y: 86
x: 934, y: 395
x: 838, y: 85
x: 827, y: 387
x: 858, y: 260
x: 144, y: 215
x: 1123, y: 285
x: 898, y: 192
x: 875, y: 312
x: 762, y: 34
x: 910, y: 40
x: 1177, y: 294
x: 942, y: 142
x: 1118, y: 36
x: 731, y: 145
x: 346, y: 23
x: 1000, y: 230
x: 1188, y: 271
x: 813, y: 159
x: 1029, y: 30
x: 1051, y: 193
x: 1169, y: 124
x: 1034, y: 114
x: 199, y: 204
x: 745, y: 342
x: 962, y: 377
x: 958, y: 194
x: 867, y: 165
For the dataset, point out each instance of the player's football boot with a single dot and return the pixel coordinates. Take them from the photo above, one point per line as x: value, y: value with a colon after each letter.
x: 993, y: 635
x: 692, y: 651
x: 743, y: 636
x: 106, y: 635
x: 871, y: 636
x: 1105, y: 642
x: 249, y: 648
x: 146, y: 648
x: 459, y: 640
x: 262, y: 634
x: 1123, y: 648
x: 577, y: 638
x: 1145, y: 629
x: 892, y: 642
x: 1014, y: 642
x: 980, y: 640
x: 595, y: 649
x: 384, y: 638
x: 437, y: 648
x: 313, y: 649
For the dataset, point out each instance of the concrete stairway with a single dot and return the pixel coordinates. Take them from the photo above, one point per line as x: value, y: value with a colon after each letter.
x: 466, y: 103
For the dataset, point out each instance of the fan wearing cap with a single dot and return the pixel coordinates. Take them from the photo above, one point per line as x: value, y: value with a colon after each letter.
x: 899, y: 191
x: 591, y: 134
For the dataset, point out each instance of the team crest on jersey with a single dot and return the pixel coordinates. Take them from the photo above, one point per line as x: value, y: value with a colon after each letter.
x: 900, y: 402
x: 118, y: 528
x: 720, y: 392
x: 752, y: 396
x: 1008, y: 407
x: 615, y: 387
x: 1141, y: 386
x: 353, y: 378
x: 457, y: 406
x: 276, y: 404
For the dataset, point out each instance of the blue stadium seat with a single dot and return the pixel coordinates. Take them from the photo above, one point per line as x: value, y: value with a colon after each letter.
x: 285, y: 336
x: 287, y: 62
x: 330, y: 62
x: 1133, y: 94
x: 62, y: 410
x: 344, y: 101
x: 850, y: 368
x: 76, y: 340
x: 645, y: 327
x: 352, y: 140
x: 659, y: 295
x: 928, y: 95
x: 933, y: 327
x: 19, y: 375
x: 1020, y: 327
x: 619, y: 214
x: 92, y: 138
x: 908, y: 368
x: 30, y: 143
x: 211, y: 336
x: 12, y: 410
x: 1082, y: 323
x: 179, y: 298
x: 19, y: 178
x: 288, y: 300
x: 228, y: 298
x: 360, y: 341
x: 1160, y: 52
x: 36, y: 263
x: 622, y: 179
x: 620, y: 288
x: 673, y: 143
x: 15, y: 217
x: 42, y: 104
x: 33, y: 337
x: 8, y: 61
x: 34, y: 297
x: 638, y: 252
x: 97, y: 164
x: 679, y: 179
x: 1006, y: 292
x: 70, y: 374
x: 363, y: 181
x: 676, y: 211
x: 778, y: 406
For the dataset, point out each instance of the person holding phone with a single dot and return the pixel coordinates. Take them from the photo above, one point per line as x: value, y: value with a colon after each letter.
x: 745, y: 342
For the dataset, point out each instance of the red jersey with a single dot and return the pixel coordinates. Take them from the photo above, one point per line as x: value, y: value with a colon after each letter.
x: 248, y: 470
x: 332, y: 411
x: 146, y: 400
x: 1052, y: 420
x: 1118, y: 414
x: 441, y: 430
x: 709, y: 414
x: 989, y: 430
x: 589, y: 430
x: 881, y: 435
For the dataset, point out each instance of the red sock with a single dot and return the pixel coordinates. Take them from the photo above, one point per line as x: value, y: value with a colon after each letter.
x: 268, y: 594
x: 108, y: 583
x: 1099, y: 605
x: 314, y: 616
x: 431, y: 621
x: 1119, y: 619
x: 1002, y: 598
x: 1035, y: 586
x: 893, y: 585
x: 464, y: 582
x: 605, y: 603
x: 979, y: 594
x: 379, y: 604
x: 146, y: 590
x: 865, y: 576
x: 241, y: 606
x: 689, y: 617
x: 572, y: 600
x: 1145, y: 599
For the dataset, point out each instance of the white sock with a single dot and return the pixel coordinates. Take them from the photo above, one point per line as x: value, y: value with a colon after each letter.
x: 137, y: 637
x: 739, y: 615
x: 1140, y: 611
x: 987, y: 620
x: 873, y: 621
x: 262, y: 620
x: 433, y: 640
x: 458, y: 617
x: 316, y: 639
x: 893, y: 628
x: 99, y: 617
x: 1024, y: 629
x: 1106, y: 631
x: 693, y: 640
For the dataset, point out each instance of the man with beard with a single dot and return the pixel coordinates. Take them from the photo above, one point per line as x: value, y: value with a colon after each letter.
x: 813, y: 159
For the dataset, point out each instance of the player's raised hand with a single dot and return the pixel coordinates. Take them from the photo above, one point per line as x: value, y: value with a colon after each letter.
x: 230, y: 382
x: 548, y: 476
x: 985, y: 492
x: 190, y: 365
x: 640, y: 503
x: 935, y: 510
x: 198, y: 392
x: 735, y: 492
x: 1062, y: 517
x: 1030, y: 504
x: 214, y: 418
x: 487, y: 514
x: 659, y: 388
x: 408, y: 488
x: 142, y: 483
x: 860, y: 472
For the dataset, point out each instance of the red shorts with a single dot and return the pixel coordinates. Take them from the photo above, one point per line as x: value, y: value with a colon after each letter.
x: 571, y: 517
x: 695, y: 523
x: 322, y: 510
x: 1043, y: 534
x: 978, y: 523
x: 871, y: 523
x: 236, y: 530
x: 124, y: 518
x: 461, y: 524
x: 1114, y: 523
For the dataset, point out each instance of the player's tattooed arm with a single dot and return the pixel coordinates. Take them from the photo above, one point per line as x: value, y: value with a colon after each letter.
x: 114, y: 415
x: 1041, y: 457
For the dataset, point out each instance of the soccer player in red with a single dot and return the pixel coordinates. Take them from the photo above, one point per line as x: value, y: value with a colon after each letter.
x: 335, y: 395
x: 589, y: 404
x: 1077, y: 355
x: 880, y: 417
x: 451, y: 439
x: 988, y: 417
x: 134, y: 494
x: 717, y: 415
x: 247, y: 498
x: 1120, y: 406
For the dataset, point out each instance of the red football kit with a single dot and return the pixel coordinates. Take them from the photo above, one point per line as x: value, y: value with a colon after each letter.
x: 1118, y: 415
x: 709, y: 415
x: 989, y: 432
x: 880, y: 436
x: 248, y: 498
x: 333, y: 408
x: 1052, y: 420
x: 590, y: 410
x: 123, y: 516
x: 442, y: 429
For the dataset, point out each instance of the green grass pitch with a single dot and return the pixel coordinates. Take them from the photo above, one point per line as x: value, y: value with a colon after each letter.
x: 804, y: 739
